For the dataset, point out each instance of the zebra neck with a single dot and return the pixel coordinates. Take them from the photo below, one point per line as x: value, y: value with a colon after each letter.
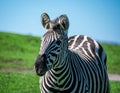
x: 62, y: 76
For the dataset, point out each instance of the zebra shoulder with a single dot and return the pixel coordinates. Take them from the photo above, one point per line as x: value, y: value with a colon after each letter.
x: 85, y: 45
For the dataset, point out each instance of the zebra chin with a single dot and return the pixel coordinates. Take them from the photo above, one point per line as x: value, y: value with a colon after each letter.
x: 40, y: 72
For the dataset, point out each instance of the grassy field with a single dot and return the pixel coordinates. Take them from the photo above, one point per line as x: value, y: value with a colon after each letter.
x: 17, y: 82
x: 17, y: 57
x: 18, y: 51
x: 113, y: 58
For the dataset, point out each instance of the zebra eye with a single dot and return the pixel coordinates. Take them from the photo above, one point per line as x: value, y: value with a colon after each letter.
x: 58, y: 42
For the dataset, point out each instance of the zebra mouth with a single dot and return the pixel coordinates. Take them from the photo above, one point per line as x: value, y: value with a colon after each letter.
x: 40, y: 72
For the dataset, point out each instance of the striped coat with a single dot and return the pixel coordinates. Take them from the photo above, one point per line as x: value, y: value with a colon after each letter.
x: 70, y: 65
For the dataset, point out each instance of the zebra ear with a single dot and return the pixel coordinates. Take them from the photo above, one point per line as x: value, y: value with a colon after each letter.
x: 45, y: 19
x: 64, y: 22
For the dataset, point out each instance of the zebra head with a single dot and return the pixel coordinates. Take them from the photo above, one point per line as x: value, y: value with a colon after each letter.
x: 54, y: 44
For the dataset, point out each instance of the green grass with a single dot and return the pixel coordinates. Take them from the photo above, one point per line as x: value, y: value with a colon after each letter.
x: 18, y: 51
x: 114, y: 86
x: 113, y: 58
x: 13, y: 82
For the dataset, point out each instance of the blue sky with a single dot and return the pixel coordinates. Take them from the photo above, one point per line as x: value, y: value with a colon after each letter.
x: 99, y: 19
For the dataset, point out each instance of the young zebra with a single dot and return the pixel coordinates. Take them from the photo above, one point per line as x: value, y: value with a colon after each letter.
x: 70, y: 65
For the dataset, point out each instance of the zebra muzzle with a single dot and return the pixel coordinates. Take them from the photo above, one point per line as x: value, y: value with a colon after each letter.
x: 40, y: 65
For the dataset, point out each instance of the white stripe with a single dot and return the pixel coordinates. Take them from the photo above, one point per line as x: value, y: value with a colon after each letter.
x: 90, y: 50
x: 72, y: 46
x: 85, y: 39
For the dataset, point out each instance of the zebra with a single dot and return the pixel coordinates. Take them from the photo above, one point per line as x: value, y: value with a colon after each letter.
x: 70, y: 65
